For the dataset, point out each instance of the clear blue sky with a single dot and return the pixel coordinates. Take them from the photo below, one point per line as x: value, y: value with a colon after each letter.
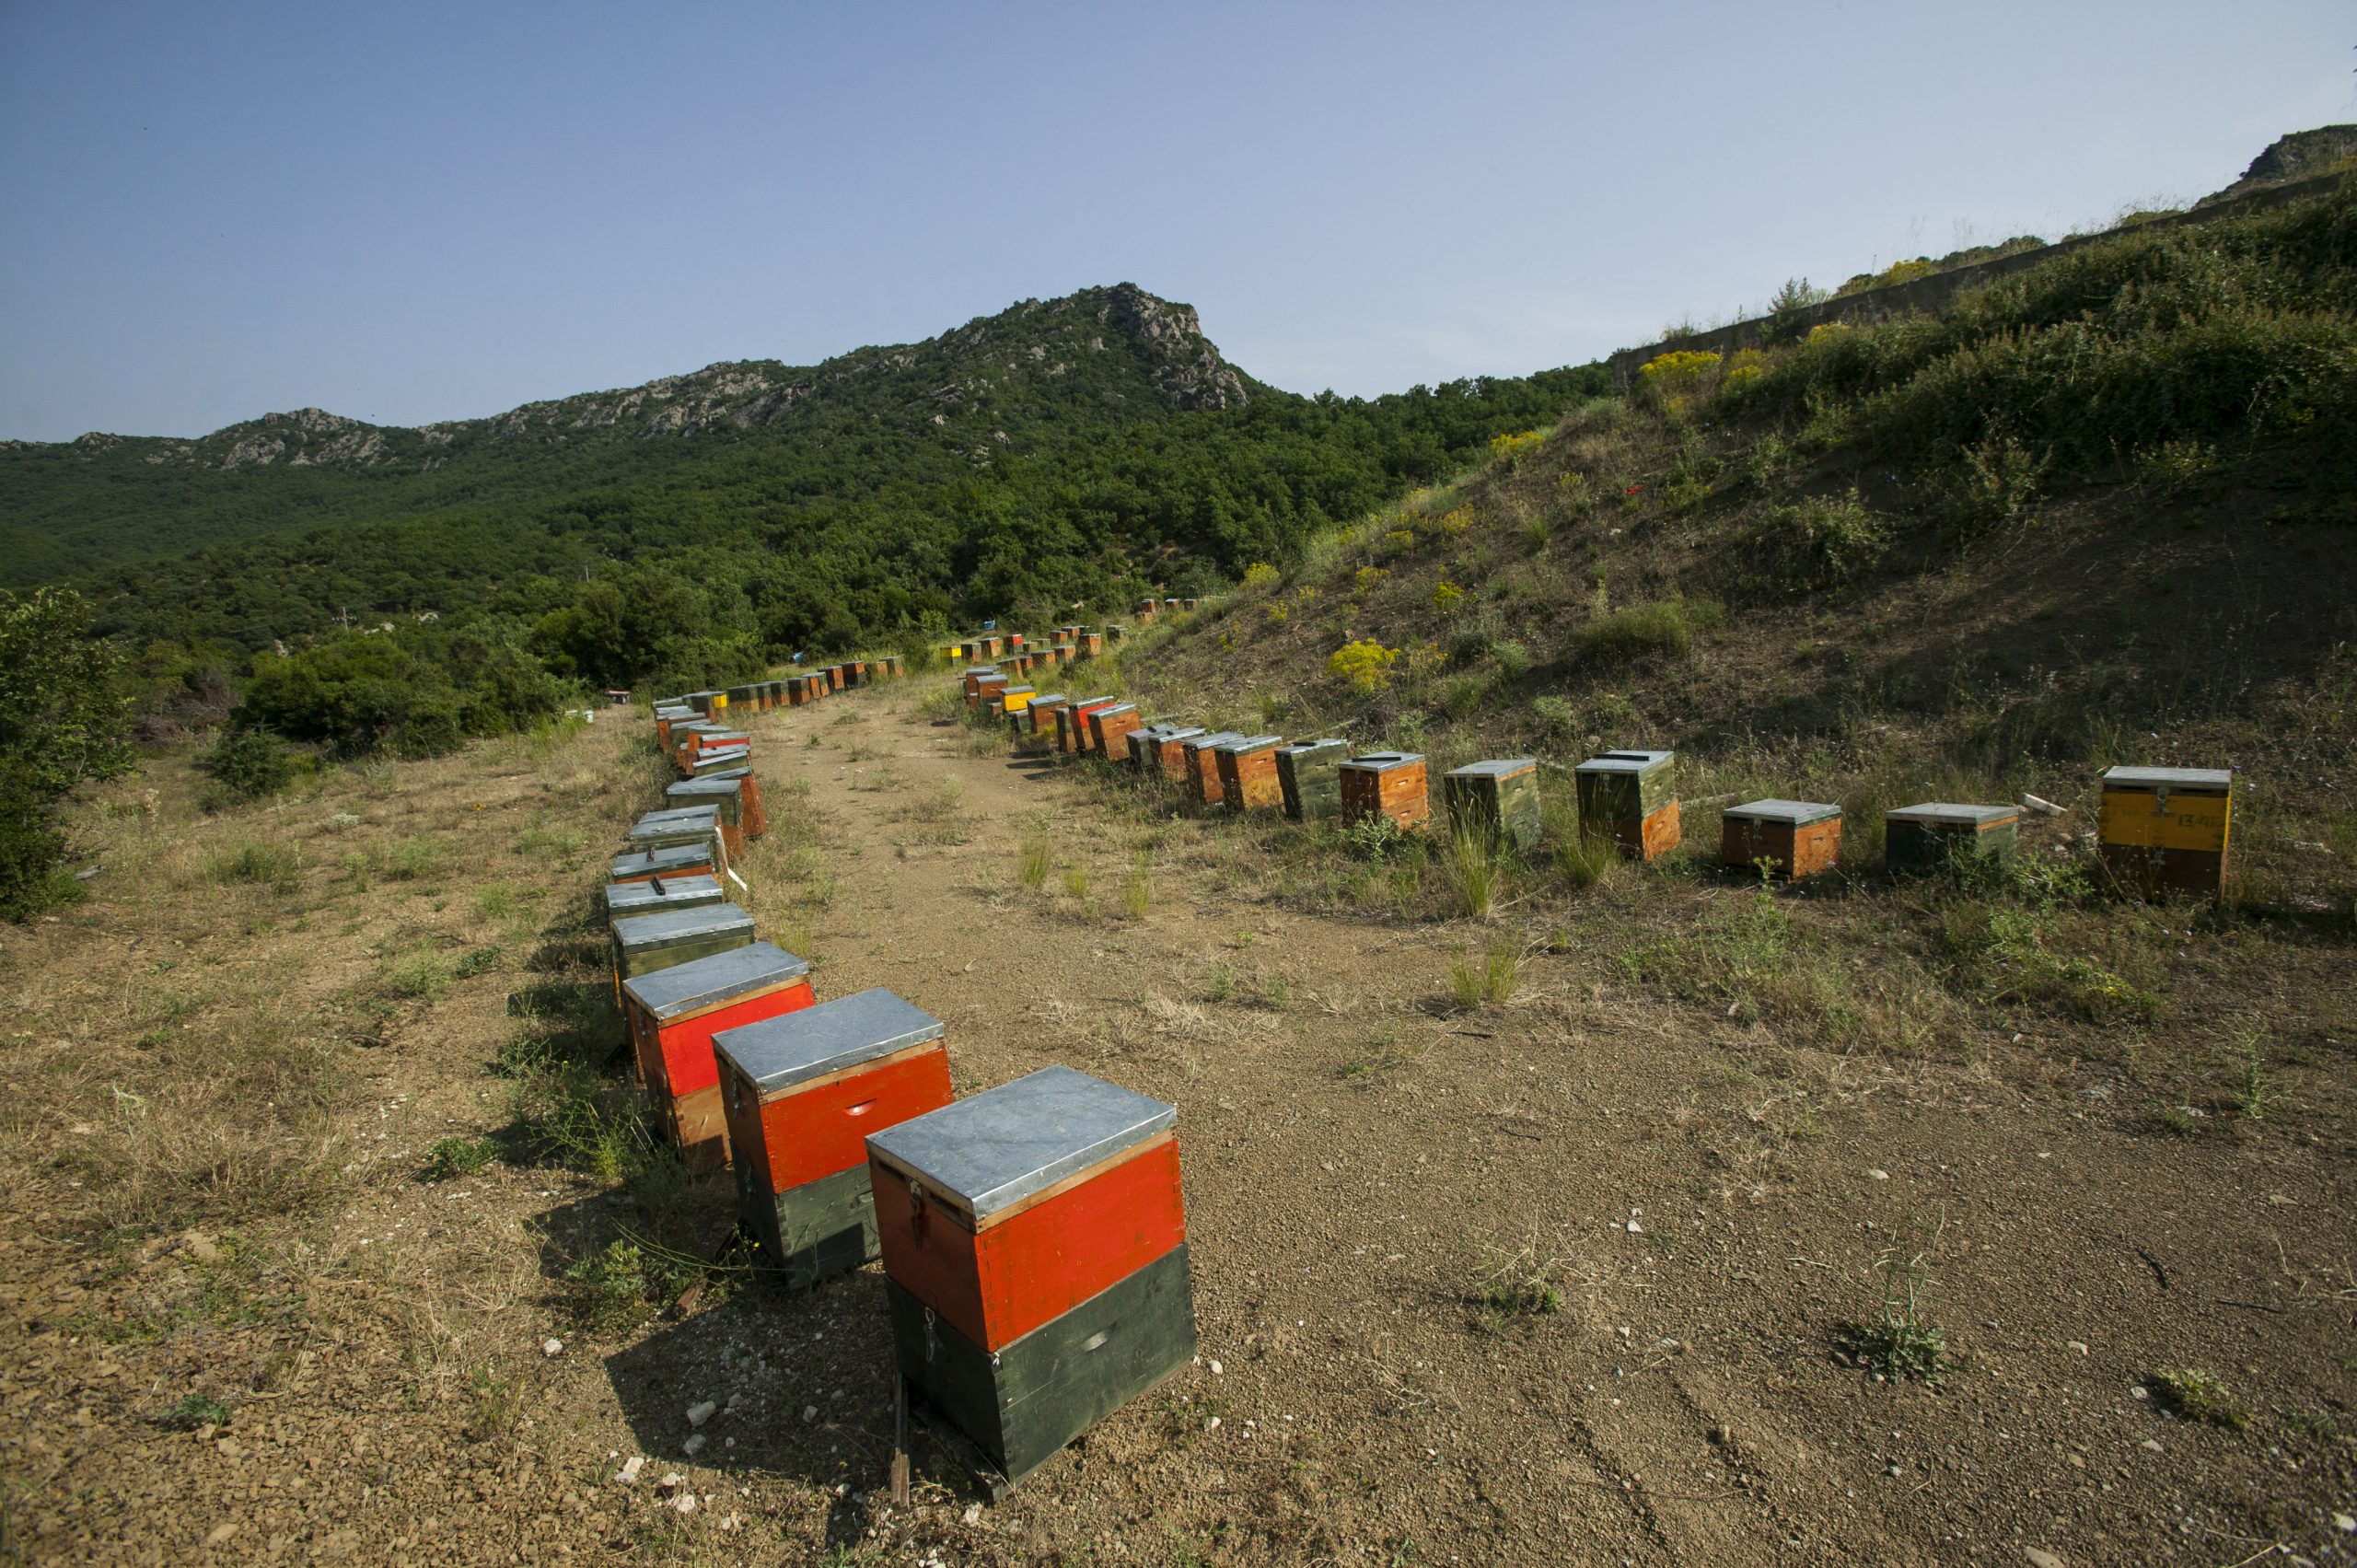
x: 413, y: 212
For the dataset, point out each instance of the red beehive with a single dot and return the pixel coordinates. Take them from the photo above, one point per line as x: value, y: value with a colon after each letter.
x: 1109, y: 727
x: 1386, y: 784
x: 802, y: 1091
x: 1248, y: 774
x: 673, y: 1014
x: 998, y: 1263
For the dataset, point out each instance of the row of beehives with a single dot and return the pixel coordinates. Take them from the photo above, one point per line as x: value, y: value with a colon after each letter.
x: 1033, y: 1235
x: 2160, y: 830
x: 1018, y: 652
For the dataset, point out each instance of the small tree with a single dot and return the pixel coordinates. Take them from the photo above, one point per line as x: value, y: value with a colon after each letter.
x: 64, y: 719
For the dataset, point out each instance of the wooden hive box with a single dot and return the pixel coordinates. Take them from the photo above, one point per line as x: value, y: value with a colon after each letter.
x: 1171, y: 750
x: 1092, y: 644
x: 1307, y: 774
x: 834, y: 678
x: 721, y: 760
x: 1630, y: 797
x: 855, y: 672
x: 2165, y: 829
x: 643, y: 943
x: 1109, y: 728
x: 673, y: 1014
x: 691, y: 823
x: 1075, y: 727
x: 1114, y: 633
x: 1143, y: 609
x: 1495, y: 801
x: 1015, y: 699
x: 892, y: 666
x: 994, y: 645
x: 1384, y: 784
x: 1800, y: 837
x: 971, y: 679
x: 1035, y: 1258
x: 744, y: 700
x: 748, y: 789
x: 673, y: 860
x: 726, y: 796
x: 1940, y: 835
x: 802, y: 1092
x: 1143, y: 743
x: 1248, y: 774
x: 664, y: 717
x: 681, y: 741
x: 701, y: 701
x: 655, y: 894
x: 1043, y: 713
x: 986, y: 687
x: 1201, y: 770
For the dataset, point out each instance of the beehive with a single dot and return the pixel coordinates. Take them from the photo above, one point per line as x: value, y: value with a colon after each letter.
x: 971, y: 681
x: 1200, y: 771
x: 681, y: 740
x: 1171, y: 750
x: 1114, y: 633
x: 690, y: 823
x: 720, y: 761
x: 893, y: 666
x: 673, y: 860
x: 986, y: 687
x: 703, y: 702
x: 643, y: 943
x: 1630, y: 797
x: 1384, y: 784
x: 748, y: 788
x: 1043, y: 713
x: 834, y: 678
x: 1495, y: 801
x: 743, y: 701
x: 1143, y: 609
x: 1942, y: 835
x: 1248, y: 774
x: 1034, y: 1239
x: 1799, y: 837
x: 654, y: 894
x: 1075, y: 735
x: 2165, y: 829
x: 1092, y: 644
x: 802, y: 1092
x: 673, y: 1014
x: 994, y: 645
x: 1109, y: 727
x: 1307, y: 776
x: 855, y: 672
x: 664, y: 717
x: 726, y: 797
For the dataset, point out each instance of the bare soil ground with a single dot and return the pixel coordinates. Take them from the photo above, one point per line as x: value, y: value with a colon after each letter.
x: 1556, y: 1279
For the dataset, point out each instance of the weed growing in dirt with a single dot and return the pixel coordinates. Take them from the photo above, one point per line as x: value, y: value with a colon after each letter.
x: 1076, y: 881
x: 276, y: 867
x: 418, y: 977
x: 1478, y: 871
x: 193, y: 1410
x: 493, y: 1403
x: 1487, y: 979
x: 1516, y: 1283
x: 1138, y: 891
x: 2190, y: 1394
x: 1902, y: 1343
x: 1031, y: 864
x: 450, y: 1157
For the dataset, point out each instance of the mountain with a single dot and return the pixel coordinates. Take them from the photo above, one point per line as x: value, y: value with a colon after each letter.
x: 1022, y: 380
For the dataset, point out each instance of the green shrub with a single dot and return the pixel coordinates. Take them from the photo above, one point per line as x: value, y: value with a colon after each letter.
x: 250, y: 764
x: 275, y: 865
x: 1814, y: 545
x: 1667, y: 627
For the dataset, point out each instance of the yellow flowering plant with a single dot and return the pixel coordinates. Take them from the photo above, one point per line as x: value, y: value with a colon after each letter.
x: 1365, y: 665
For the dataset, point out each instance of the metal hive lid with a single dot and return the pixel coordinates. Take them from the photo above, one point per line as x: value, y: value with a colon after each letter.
x: 1244, y: 743
x: 1205, y: 740
x: 794, y: 1048
x: 725, y: 738
x: 692, y: 788
x: 657, y: 892
x: 1949, y: 813
x: 1119, y: 708
x: 1176, y: 731
x: 672, y: 857
x: 1794, y: 813
x: 1048, y: 699
x: 676, y: 819
x: 730, y: 775
x: 1095, y: 702
x: 2203, y: 779
x: 1310, y: 747
x: 702, y: 983
x: 993, y: 1149
x: 1020, y: 691
x: 1383, y: 762
x: 676, y: 925
x: 1494, y: 768
x: 1626, y: 762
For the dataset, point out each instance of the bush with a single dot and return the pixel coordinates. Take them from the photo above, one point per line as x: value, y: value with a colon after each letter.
x: 61, y: 722
x: 250, y: 764
x: 1365, y: 664
x: 1667, y: 627
x: 1814, y: 545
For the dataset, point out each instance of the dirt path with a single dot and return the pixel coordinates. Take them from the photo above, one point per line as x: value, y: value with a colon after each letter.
x: 1365, y: 1166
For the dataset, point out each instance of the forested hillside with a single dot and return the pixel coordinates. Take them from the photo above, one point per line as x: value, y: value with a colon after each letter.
x: 1071, y: 450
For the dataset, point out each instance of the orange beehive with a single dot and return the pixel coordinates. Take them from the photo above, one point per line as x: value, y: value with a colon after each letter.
x: 1109, y: 727
x: 834, y: 678
x: 1169, y: 751
x: 1200, y: 770
x: 985, y: 688
x: 1248, y: 774
x: 1789, y: 839
x: 674, y: 1013
x: 1386, y: 784
x: 1092, y: 644
x: 803, y: 1090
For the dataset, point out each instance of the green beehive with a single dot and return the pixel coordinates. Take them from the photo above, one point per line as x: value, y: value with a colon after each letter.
x: 1308, y: 771
x: 646, y: 943
x: 692, y: 824
x: 721, y: 761
x: 724, y: 796
x: 1942, y: 835
x: 626, y: 900
x: 1495, y: 801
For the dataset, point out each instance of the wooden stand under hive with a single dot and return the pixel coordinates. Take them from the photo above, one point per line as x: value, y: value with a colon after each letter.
x: 674, y: 1013
x: 1495, y: 801
x: 1798, y: 838
x: 1248, y: 774
x: 1035, y: 1258
x: 1386, y: 784
x: 1109, y: 728
x: 1630, y: 797
x: 1308, y: 774
x: 802, y: 1092
x: 2165, y: 829
x: 1201, y: 770
x: 1942, y: 835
